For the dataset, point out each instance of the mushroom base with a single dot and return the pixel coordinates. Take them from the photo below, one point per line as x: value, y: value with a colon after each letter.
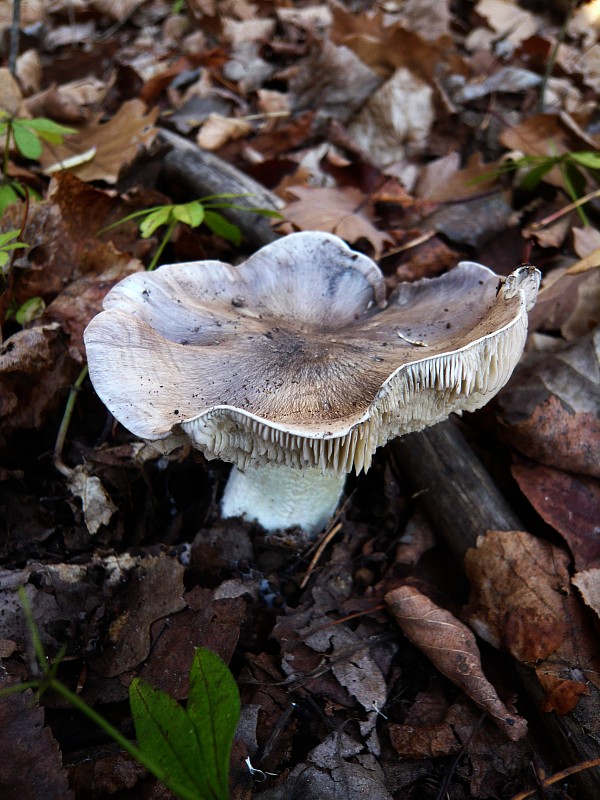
x: 280, y: 497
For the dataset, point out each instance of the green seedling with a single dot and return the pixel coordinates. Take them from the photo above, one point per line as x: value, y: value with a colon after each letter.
x: 8, y: 244
x: 186, y: 749
x: 205, y: 211
x: 570, y: 165
x: 27, y: 136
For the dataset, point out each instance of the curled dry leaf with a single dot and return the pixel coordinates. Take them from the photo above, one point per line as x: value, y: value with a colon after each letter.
x: 97, y: 506
x: 452, y: 648
x: 521, y: 601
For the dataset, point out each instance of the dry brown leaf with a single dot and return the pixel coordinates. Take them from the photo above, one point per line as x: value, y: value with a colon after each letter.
x: 568, y: 302
x: 452, y: 648
x: 333, y: 82
x: 117, y: 10
x: 154, y: 591
x: 218, y: 130
x: 443, y: 179
x: 588, y: 583
x: 507, y: 20
x: 569, y: 503
x: 396, y: 121
x: 71, y: 103
x: 29, y: 71
x: 33, y: 365
x: 340, y: 211
x: 546, y: 135
x: 116, y: 143
x: 97, y: 506
x: 32, y: 766
x: 521, y: 601
x: 551, y: 411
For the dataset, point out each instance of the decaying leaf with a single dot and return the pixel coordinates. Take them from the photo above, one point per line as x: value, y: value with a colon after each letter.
x: 569, y: 503
x: 98, y: 508
x: 395, y: 123
x: 218, y: 130
x: 334, y: 770
x: 334, y: 81
x: 33, y: 365
x: 340, y: 211
x: 521, y: 601
x: 551, y: 412
x: 452, y: 648
x: 155, y: 590
x: 588, y: 583
x: 31, y: 761
x: 116, y: 141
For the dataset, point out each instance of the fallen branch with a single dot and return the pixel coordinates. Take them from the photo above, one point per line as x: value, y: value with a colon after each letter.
x: 201, y: 173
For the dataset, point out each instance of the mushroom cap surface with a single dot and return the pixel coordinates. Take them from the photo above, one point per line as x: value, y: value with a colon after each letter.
x: 294, y: 357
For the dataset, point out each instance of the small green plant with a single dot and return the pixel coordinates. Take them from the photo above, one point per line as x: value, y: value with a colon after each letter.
x: 205, y: 211
x: 570, y: 165
x: 186, y: 749
x: 8, y: 243
x: 27, y: 136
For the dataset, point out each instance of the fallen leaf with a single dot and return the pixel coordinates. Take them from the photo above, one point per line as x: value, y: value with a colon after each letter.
x: 340, y: 211
x: 551, y: 412
x: 507, y: 20
x: 155, y: 590
x: 97, y: 506
x: 32, y: 766
x: 568, y: 301
x: 569, y: 503
x: 587, y: 582
x: 521, y: 601
x: 117, y: 142
x: 395, y: 123
x: 332, y: 81
x: 33, y: 364
x: 452, y: 648
x: 218, y: 130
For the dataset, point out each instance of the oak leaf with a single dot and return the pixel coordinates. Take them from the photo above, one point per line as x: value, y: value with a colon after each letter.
x: 340, y: 211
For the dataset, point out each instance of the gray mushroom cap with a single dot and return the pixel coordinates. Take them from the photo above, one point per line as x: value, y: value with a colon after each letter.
x: 295, y: 358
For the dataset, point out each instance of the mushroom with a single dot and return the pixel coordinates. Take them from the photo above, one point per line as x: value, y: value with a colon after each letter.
x: 295, y: 368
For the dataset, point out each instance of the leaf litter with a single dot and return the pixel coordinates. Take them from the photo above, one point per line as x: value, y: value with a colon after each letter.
x: 388, y: 125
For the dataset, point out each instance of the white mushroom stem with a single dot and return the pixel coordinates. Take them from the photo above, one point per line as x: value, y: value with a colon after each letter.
x: 280, y: 497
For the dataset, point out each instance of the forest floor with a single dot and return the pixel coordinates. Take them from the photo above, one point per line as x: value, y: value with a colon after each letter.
x: 423, y: 134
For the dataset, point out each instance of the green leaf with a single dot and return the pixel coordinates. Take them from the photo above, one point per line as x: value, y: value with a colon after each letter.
x: 191, y: 214
x: 154, y: 220
x: 191, y: 747
x: 166, y: 735
x: 47, y: 128
x: 587, y: 159
x: 214, y: 710
x: 27, y: 142
x: 223, y: 228
x: 535, y: 175
x: 8, y: 236
x: 30, y: 310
